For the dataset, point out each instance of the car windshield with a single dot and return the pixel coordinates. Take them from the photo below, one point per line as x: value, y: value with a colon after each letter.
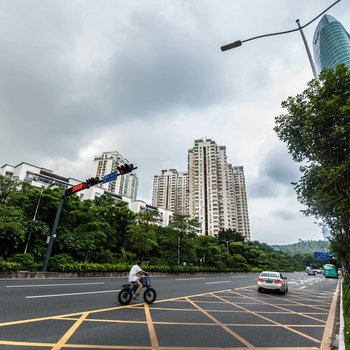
x: 270, y: 274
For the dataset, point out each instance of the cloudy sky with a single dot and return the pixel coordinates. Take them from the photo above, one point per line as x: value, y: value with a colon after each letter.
x: 147, y: 78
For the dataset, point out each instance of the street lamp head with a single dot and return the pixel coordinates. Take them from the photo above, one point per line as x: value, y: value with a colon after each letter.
x: 231, y: 46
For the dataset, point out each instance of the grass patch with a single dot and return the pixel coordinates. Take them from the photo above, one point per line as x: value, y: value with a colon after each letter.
x: 346, y: 300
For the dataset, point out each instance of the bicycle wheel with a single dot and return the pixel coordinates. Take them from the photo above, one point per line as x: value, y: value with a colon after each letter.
x: 149, y: 296
x: 124, y: 296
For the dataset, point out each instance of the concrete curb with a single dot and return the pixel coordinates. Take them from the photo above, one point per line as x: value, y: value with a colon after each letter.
x: 341, y: 341
x: 329, y: 332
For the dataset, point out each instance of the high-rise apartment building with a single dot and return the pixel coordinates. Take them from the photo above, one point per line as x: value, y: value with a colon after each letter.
x: 331, y: 43
x: 165, y: 189
x: 241, y: 203
x: 170, y: 191
x: 215, y: 197
x: 182, y: 193
x: 125, y: 185
x: 212, y: 191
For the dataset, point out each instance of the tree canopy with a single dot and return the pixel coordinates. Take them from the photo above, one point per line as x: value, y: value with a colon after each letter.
x: 316, y: 129
x: 106, y: 231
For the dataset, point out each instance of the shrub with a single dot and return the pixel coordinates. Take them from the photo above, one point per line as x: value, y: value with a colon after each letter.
x: 59, y: 259
x: 25, y: 260
x: 8, y: 266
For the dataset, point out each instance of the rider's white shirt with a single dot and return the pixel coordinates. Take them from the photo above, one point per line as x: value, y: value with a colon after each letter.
x: 133, y: 273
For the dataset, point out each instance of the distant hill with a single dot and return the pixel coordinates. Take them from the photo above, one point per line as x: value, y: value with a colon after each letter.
x: 302, y: 247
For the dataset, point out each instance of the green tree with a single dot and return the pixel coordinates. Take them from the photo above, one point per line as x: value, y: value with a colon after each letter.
x: 83, y: 231
x: 166, y: 250
x: 119, y: 217
x: 230, y: 235
x: 208, y: 251
x: 316, y: 129
x: 12, y: 229
x: 142, y: 238
x: 186, y: 229
x: 8, y: 187
x: 238, y: 247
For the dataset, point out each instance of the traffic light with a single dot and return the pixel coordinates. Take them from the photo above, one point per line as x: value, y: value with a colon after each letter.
x: 92, y: 181
x: 126, y: 168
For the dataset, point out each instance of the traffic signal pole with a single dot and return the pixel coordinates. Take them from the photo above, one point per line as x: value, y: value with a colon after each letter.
x: 123, y: 169
x: 53, y: 233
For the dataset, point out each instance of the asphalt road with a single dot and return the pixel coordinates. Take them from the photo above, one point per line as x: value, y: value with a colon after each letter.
x: 193, y: 312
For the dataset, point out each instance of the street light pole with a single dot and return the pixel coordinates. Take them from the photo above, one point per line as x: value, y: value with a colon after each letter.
x: 238, y: 43
x: 227, y: 243
x: 34, y: 218
x: 308, y: 50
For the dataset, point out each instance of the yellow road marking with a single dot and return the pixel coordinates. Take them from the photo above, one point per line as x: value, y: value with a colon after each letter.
x: 246, y: 287
x: 70, y: 332
x: 80, y: 317
x: 11, y: 323
x: 228, y: 330
x: 283, y: 308
x: 297, y: 303
x: 21, y: 343
x: 151, y: 330
x: 272, y: 321
x: 117, y: 347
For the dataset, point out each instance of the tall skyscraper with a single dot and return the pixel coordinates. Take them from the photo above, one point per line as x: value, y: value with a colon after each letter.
x: 125, y: 185
x: 331, y: 43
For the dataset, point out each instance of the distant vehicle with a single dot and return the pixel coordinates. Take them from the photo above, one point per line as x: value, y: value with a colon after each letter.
x: 272, y: 280
x: 311, y: 272
x: 330, y: 271
x: 318, y: 271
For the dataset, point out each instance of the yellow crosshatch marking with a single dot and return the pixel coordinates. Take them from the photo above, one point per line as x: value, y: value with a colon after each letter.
x: 199, y: 314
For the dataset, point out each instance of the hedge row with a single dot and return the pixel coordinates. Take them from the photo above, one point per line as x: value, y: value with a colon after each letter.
x: 7, y: 266
x: 65, y: 263
x: 95, y: 267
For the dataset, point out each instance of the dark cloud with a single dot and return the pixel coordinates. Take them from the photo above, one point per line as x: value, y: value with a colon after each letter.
x: 156, y: 66
x: 275, y: 173
x: 279, y: 167
x: 162, y: 67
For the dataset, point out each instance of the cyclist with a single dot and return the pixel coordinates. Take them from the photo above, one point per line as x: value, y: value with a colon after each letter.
x: 134, y: 277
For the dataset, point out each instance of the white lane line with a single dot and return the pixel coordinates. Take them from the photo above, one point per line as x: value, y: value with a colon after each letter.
x: 217, y: 282
x: 53, y: 285
x: 190, y: 279
x: 303, y: 287
x: 70, y: 294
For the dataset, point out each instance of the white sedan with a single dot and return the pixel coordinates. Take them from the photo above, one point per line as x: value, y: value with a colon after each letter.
x: 271, y: 280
